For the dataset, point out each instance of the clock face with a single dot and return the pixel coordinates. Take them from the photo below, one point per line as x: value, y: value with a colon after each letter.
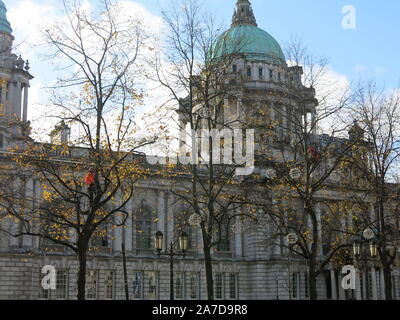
x: 368, y: 234
x: 238, y: 227
x: 194, y: 220
x: 295, y: 173
x: 292, y: 238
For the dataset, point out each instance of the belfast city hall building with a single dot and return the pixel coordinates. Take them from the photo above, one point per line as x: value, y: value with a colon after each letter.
x: 244, y: 266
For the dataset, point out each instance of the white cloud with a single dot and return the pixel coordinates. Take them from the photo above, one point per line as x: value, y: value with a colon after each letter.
x: 29, y: 17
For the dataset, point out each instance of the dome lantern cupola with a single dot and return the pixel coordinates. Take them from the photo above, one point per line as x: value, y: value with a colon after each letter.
x: 245, y: 38
x: 243, y: 14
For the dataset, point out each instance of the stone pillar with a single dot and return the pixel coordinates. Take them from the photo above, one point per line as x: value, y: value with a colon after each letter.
x: 27, y: 240
x: 170, y: 219
x: 183, y: 148
x: 364, y: 289
x: 25, y: 110
x: 37, y: 192
x: 358, y: 285
x: 284, y: 121
x: 333, y: 285
x: 10, y: 100
x: 3, y: 98
x: 18, y: 101
x: 128, y: 226
x: 117, y: 242
x: 382, y: 285
x: 161, y: 222
x: 374, y: 284
x: 238, y: 240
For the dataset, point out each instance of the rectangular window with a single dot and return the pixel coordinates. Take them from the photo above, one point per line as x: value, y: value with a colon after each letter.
x: 91, y: 284
x: 62, y: 284
x: 138, y: 285
x: 179, y: 285
x: 43, y: 294
x: 234, y: 68
x: 295, y: 285
x: 279, y: 76
x: 260, y: 72
x: 233, y: 279
x: 144, y: 221
x: 109, y: 284
x: 219, y: 286
x: 271, y: 74
x: 194, y: 286
x: 151, y: 277
x: 224, y: 244
x: 249, y: 72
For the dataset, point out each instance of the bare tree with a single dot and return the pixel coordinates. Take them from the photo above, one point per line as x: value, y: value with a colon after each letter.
x: 374, y: 168
x: 306, y: 163
x: 194, y: 70
x: 96, y: 98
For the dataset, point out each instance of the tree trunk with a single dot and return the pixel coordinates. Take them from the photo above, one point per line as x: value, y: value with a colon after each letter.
x: 312, y: 282
x: 387, y: 276
x: 209, y: 273
x: 82, y: 256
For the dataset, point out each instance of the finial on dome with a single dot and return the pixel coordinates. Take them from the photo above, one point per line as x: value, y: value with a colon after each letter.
x: 244, y: 14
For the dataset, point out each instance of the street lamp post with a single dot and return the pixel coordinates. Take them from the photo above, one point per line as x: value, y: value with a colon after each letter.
x: 360, y: 248
x: 183, y: 245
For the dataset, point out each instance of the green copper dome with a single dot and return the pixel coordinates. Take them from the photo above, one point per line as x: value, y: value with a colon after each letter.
x: 4, y: 24
x: 254, y: 43
x: 244, y: 37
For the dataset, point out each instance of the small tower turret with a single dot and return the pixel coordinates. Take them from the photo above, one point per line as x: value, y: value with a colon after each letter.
x: 14, y: 85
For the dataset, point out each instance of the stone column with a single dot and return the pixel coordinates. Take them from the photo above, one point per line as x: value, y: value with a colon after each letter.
x: 284, y: 121
x: 161, y: 222
x: 27, y: 240
x: 238, y: 242
x: 382, y: 285
x: 10, y: 100
x: 183, y: 148
x: 25, y: 111
x: 358, y: 285
x: 37, y: 192
x: 374, y: 284
x: 17, y: 101
x: 117, y: 242
x: 128, y: 226
x: 3, y: 98
x: 170, y: 219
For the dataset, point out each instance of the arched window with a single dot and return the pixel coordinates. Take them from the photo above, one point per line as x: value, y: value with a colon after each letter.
x: 144, y: 226
x: 249, y: 72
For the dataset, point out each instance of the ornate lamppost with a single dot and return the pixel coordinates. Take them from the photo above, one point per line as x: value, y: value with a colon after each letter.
x: 183, y: 246
x: 360, y: 248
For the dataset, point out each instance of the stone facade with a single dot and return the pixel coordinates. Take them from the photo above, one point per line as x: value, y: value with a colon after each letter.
x: 247, y: 270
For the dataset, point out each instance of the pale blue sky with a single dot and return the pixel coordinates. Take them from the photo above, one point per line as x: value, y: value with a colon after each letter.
x: 370, y: 50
